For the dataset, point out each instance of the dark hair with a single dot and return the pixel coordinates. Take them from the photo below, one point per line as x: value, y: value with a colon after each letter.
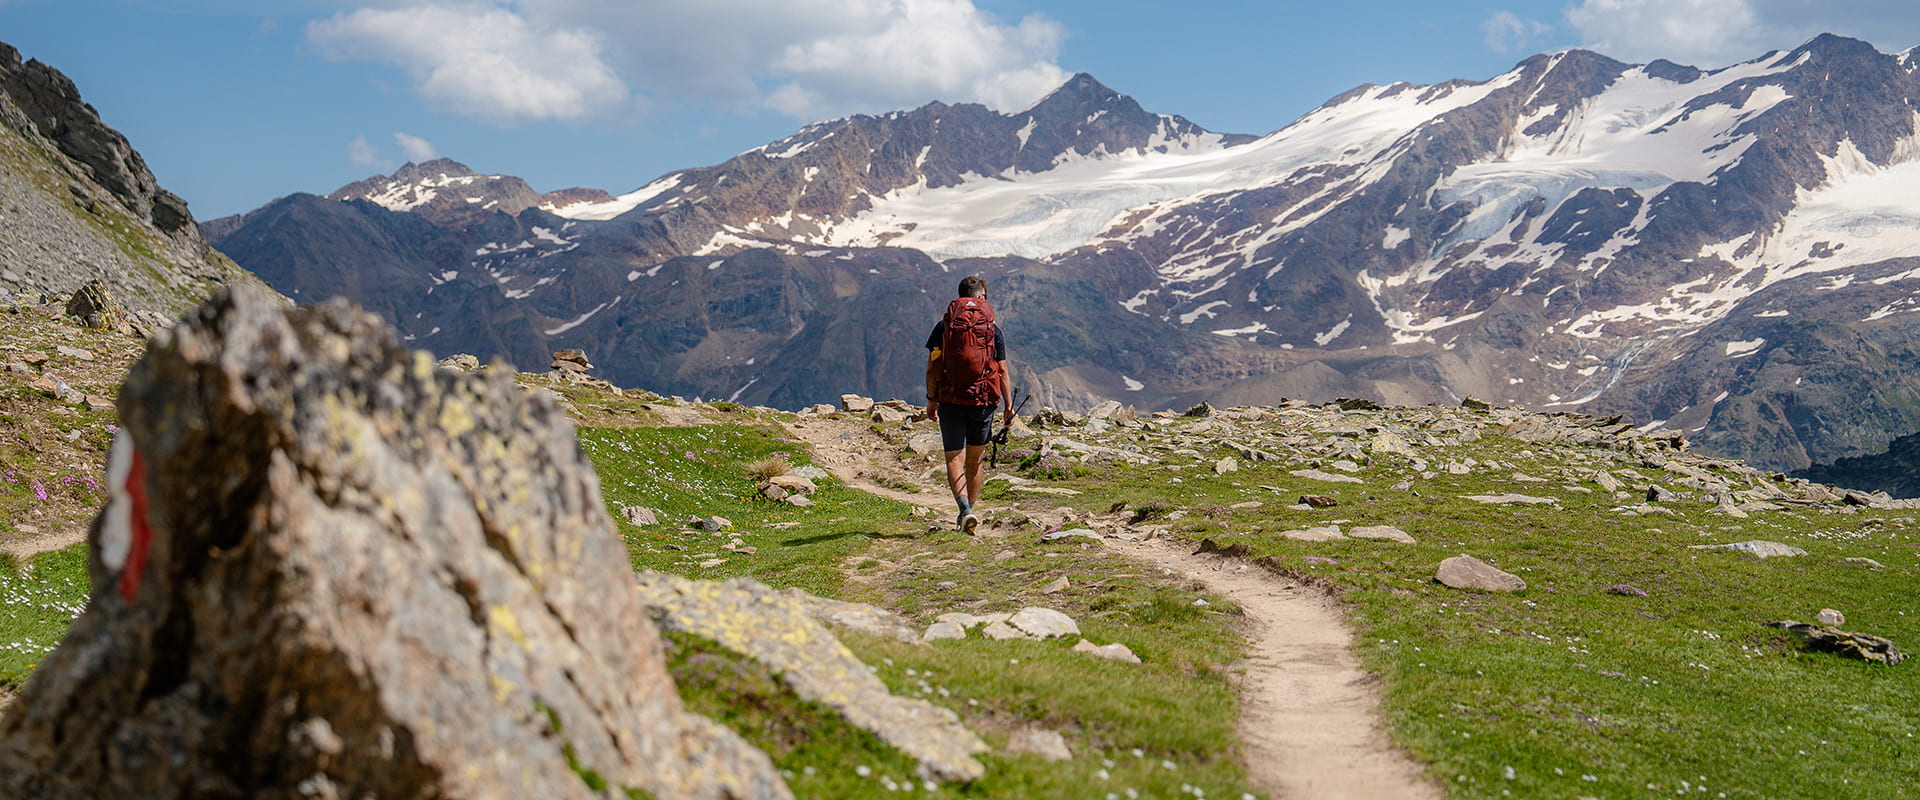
x: 973, y: 286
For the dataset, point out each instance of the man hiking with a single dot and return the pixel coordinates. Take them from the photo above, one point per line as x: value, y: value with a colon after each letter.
x: 966, y: 378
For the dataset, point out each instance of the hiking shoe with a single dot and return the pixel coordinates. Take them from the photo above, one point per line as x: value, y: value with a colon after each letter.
x: 969, y: 521
x: 960, y: 519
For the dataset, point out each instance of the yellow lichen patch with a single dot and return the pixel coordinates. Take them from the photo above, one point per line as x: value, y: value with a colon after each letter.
x: 502, y: 618
x: 502, y: 688
x: 456, y: 419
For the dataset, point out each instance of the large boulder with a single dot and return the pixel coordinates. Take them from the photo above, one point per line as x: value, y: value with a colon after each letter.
x: 329, y: 569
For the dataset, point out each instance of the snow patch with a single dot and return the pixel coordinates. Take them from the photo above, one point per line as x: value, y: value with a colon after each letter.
x: 1250, y: 330
x: 1133, y: 304
x: 1333, y: 333
x: 1207, y: 310
x: 1131, y: 384
x: 609, y: 209
x: 580, y: 319
x: 1746, y: 348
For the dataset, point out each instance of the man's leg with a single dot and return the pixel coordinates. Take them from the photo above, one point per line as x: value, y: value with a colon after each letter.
x: 956, y: 480
x: 974, y: 454
x: 979, y: 433
x: 953, y: 437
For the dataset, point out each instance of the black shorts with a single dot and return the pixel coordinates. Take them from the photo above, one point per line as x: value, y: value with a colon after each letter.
x: 965, y: 426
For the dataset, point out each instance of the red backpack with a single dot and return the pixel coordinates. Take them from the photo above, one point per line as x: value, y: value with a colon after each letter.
x: 969, y: 375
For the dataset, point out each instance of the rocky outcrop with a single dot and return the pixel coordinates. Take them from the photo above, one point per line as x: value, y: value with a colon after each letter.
x: 46, y: 103
x: 78, y: 204
x: 1825, y: 638
x: 780, y: 630
x: 331, y: 569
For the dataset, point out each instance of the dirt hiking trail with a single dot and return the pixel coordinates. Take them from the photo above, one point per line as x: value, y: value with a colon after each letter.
x: 1309, y: 723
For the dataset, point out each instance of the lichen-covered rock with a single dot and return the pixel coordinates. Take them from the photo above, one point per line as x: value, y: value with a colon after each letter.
x: 94, y: 305
x: 1387, y: 532
x: 778, y: 630
x: 1043, y: 623
x: 1828, y: 639
x: 1758, y: 548
x: 329, y: 569
x: 1466, y: 572
x: 855, y: 616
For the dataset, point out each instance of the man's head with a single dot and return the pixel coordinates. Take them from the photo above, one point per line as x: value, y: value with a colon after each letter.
x: 973, y: 286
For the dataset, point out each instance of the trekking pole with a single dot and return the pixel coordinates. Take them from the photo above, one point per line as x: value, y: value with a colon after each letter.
x: 1006, y: 428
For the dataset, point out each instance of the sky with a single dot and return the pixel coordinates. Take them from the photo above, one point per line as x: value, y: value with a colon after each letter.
x: 234, y: 103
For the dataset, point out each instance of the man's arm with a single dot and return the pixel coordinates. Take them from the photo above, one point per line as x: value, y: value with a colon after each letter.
x: 1006, y: 389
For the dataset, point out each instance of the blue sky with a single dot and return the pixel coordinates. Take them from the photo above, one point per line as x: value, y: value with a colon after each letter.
x: 236, y: 102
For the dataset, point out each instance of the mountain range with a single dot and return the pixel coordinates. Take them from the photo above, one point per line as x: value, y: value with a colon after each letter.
x: 1731, y: 253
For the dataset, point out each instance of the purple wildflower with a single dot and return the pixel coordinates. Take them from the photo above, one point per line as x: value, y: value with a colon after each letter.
x: 1320, y: 560
x: 39, y: 489
x: 1626, y: 589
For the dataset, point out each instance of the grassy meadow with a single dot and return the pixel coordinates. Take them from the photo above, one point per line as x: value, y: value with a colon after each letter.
x: 1631, y: 666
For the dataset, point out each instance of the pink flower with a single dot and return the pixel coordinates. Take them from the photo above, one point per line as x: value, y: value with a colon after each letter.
x: 1320, y: 560
x: 39, y: 490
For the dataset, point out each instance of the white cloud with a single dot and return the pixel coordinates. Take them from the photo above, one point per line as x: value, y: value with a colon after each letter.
x: 416, y: 148
x: 926, y: 49
x: 485, y: 62
x: 571, y: 59
x: 362, y: 154
x: 1715, y: 33
x: 1507, y: 32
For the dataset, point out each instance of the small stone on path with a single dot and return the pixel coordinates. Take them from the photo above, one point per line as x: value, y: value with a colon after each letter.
x: 1068, y: 534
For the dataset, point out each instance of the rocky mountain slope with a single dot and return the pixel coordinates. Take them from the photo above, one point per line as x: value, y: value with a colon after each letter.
x: 77, y: 204
x: 1722, y: 252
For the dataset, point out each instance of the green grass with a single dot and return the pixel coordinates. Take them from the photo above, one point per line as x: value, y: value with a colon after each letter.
x: 1566, y: 689
x: 1152, y: 728
x: 1580, y: 690
x: 682, y: 473
x: 38, y: 602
